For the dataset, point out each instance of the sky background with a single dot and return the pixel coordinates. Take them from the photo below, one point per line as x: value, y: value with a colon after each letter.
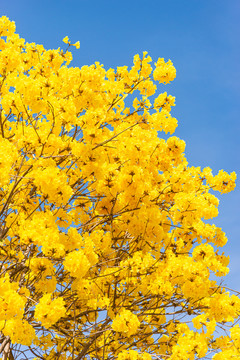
x: 201, y: 37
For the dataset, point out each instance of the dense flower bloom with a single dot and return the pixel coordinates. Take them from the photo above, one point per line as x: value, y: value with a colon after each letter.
x: 105, y: 246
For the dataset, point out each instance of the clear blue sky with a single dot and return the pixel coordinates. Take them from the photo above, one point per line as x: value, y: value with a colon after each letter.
x: 201, y: 37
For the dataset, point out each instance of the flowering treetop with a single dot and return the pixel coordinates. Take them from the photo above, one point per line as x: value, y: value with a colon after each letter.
x: 106, y: 252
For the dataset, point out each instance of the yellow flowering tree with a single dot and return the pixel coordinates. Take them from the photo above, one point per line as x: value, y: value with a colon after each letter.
x: 105, y: 248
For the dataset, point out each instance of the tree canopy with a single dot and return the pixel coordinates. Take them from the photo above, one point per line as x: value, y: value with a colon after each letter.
x: 105, y: 247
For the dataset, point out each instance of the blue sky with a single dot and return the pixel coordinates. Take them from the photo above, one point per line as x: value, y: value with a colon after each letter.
x: 201, y: 37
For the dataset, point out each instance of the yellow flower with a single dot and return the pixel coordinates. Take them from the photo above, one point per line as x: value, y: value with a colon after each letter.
x: 126, y: 322
x: 66, y: 40
x: 76, y: 262
x: 49, y: 311
x: 77, y: 45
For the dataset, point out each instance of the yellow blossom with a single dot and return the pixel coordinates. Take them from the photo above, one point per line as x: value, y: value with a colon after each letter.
x: 66, y: 40
x: 49, y: 311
